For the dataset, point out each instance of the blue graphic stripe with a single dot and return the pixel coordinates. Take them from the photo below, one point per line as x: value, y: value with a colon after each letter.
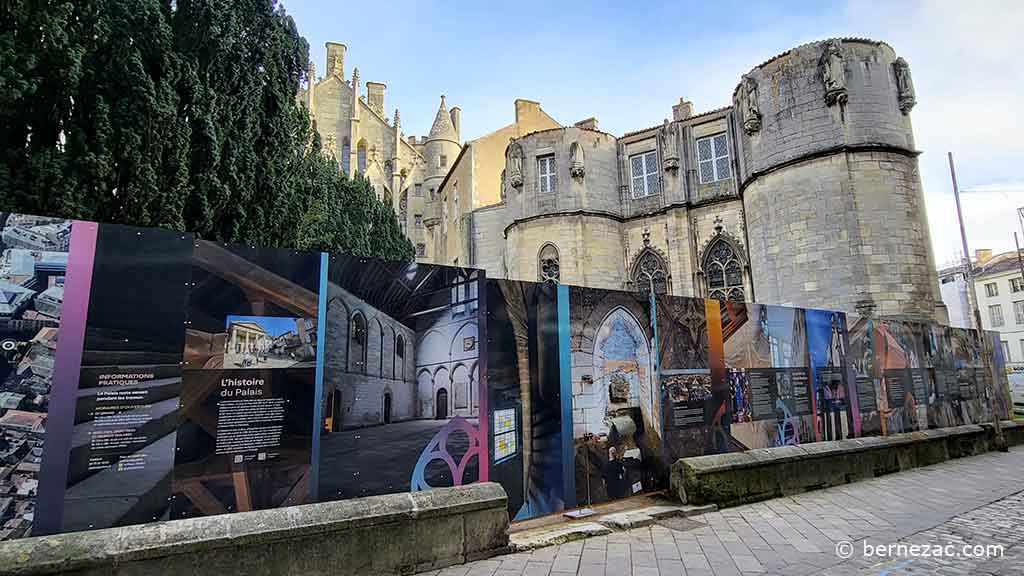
x: 321, y: 340
x: 565, y: 385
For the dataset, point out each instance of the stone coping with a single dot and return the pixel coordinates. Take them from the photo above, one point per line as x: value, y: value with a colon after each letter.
x: 81, y: 550
x: 762, y: 456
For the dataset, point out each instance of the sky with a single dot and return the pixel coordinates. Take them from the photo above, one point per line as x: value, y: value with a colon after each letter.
x: 274, y: 325
x: 627, y: 63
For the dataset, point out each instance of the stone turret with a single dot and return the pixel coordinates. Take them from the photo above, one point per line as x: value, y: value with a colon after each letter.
x: 830, y: 185
x: 440, y: 150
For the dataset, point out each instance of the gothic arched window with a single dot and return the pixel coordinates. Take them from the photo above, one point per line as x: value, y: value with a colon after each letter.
x: 358, y: 345
x: 724, y: 272
x: 346, y: 153
x: 548, y: 264
x: 399, y: 357
x: 649, y: 270
x: 361, y: 157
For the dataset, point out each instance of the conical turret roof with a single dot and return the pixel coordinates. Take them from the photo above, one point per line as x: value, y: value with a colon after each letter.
x: 442, y: 128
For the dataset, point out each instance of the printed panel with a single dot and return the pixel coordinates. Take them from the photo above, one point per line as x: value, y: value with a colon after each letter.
x: 617, y: 430
x: 834, y: 395
x: 33, y: 266
x: 768, y: 370
x: 402, y: 389
x: 244, y: 440
x: 126, y: 414
x: 527, y: 397
x: 696, y: 406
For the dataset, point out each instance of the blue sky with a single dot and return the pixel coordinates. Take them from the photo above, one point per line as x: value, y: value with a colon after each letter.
x: 627, y: 63
x: 274, y: 325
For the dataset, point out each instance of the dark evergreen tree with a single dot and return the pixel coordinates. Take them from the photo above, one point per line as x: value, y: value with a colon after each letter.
x: 178, y: 114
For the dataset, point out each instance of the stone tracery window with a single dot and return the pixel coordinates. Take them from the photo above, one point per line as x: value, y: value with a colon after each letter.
x: 548, y: 264
x: 724, y: 272
x: 649, y: 270
x: 346, y: 153
x: 361, y: 157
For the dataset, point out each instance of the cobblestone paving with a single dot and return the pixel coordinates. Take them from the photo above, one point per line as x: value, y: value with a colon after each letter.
x: 972, y: 501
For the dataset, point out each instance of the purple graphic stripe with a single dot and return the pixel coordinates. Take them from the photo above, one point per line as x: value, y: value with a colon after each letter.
x: 64, y: 387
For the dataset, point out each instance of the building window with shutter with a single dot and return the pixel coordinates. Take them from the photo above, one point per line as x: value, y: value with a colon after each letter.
x: 1016, y: 284
x: 546, y: 176
x: 995, y: 315
x: 643, y: 172
x: 991, y: 290
x: 1018, y: 311
x: 418, y: 219
x: 713, y: 158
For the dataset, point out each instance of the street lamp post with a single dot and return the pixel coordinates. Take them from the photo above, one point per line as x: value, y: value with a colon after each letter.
x: 969, y: 277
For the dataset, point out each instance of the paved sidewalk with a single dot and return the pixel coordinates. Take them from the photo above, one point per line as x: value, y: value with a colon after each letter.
x: 975, y: 500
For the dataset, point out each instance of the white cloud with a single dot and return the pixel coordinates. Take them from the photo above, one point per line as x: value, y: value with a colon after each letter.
x: 969, y: 77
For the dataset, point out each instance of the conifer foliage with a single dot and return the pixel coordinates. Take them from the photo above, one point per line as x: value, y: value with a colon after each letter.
x: 178, y: 114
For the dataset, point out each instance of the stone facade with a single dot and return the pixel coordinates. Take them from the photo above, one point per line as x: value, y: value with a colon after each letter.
x: 835, y: 210
x: 356, y: 130
x: 804, y: 191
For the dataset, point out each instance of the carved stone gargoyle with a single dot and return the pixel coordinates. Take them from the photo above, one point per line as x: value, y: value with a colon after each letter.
x: 904, y: 85
x: 833, y: 73
x: 669, y: 136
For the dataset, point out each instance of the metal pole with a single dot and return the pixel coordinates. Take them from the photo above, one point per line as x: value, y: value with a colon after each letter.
x: 997, y: 426
x: 1020, y: 259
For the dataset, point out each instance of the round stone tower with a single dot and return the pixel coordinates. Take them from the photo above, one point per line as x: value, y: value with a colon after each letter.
x: 440, y: 149
x: 831, y: 192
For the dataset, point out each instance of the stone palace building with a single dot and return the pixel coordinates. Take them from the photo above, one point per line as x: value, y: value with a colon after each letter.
x: 803, y: 191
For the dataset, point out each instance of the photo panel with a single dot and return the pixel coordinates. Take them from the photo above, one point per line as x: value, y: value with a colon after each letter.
x: 834, y: 395
x: 696, y: 403
x: 768, y: 373
x: 34, y: 253
x: 999, y: 376
x: 616, y: 415
x: 403, y: 391
x: 527, y: 396
x: 245, y: 433
x: 866, y: 372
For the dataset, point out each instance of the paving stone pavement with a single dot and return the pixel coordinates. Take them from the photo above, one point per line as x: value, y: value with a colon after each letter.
x: 974, y: 501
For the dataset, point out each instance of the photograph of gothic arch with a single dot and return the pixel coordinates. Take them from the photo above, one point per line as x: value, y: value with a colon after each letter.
x: 403, y: 390
x: 616, y: 418
x: 696, y: 403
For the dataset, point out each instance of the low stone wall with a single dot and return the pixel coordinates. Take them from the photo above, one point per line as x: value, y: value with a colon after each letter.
x: 393, y: 534
x: 754, y: 475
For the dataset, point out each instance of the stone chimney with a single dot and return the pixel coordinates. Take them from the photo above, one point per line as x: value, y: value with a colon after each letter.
x: 456, y: 115
x: 375, y: 96
x: 683, y: 110
x: 525, y: 108
x: 588, y: 124
x: 982, y: 255
x: 336, y: 59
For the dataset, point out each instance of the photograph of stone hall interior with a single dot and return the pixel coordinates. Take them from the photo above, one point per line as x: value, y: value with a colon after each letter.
x: 402, y: 355
x: 802, y: 190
